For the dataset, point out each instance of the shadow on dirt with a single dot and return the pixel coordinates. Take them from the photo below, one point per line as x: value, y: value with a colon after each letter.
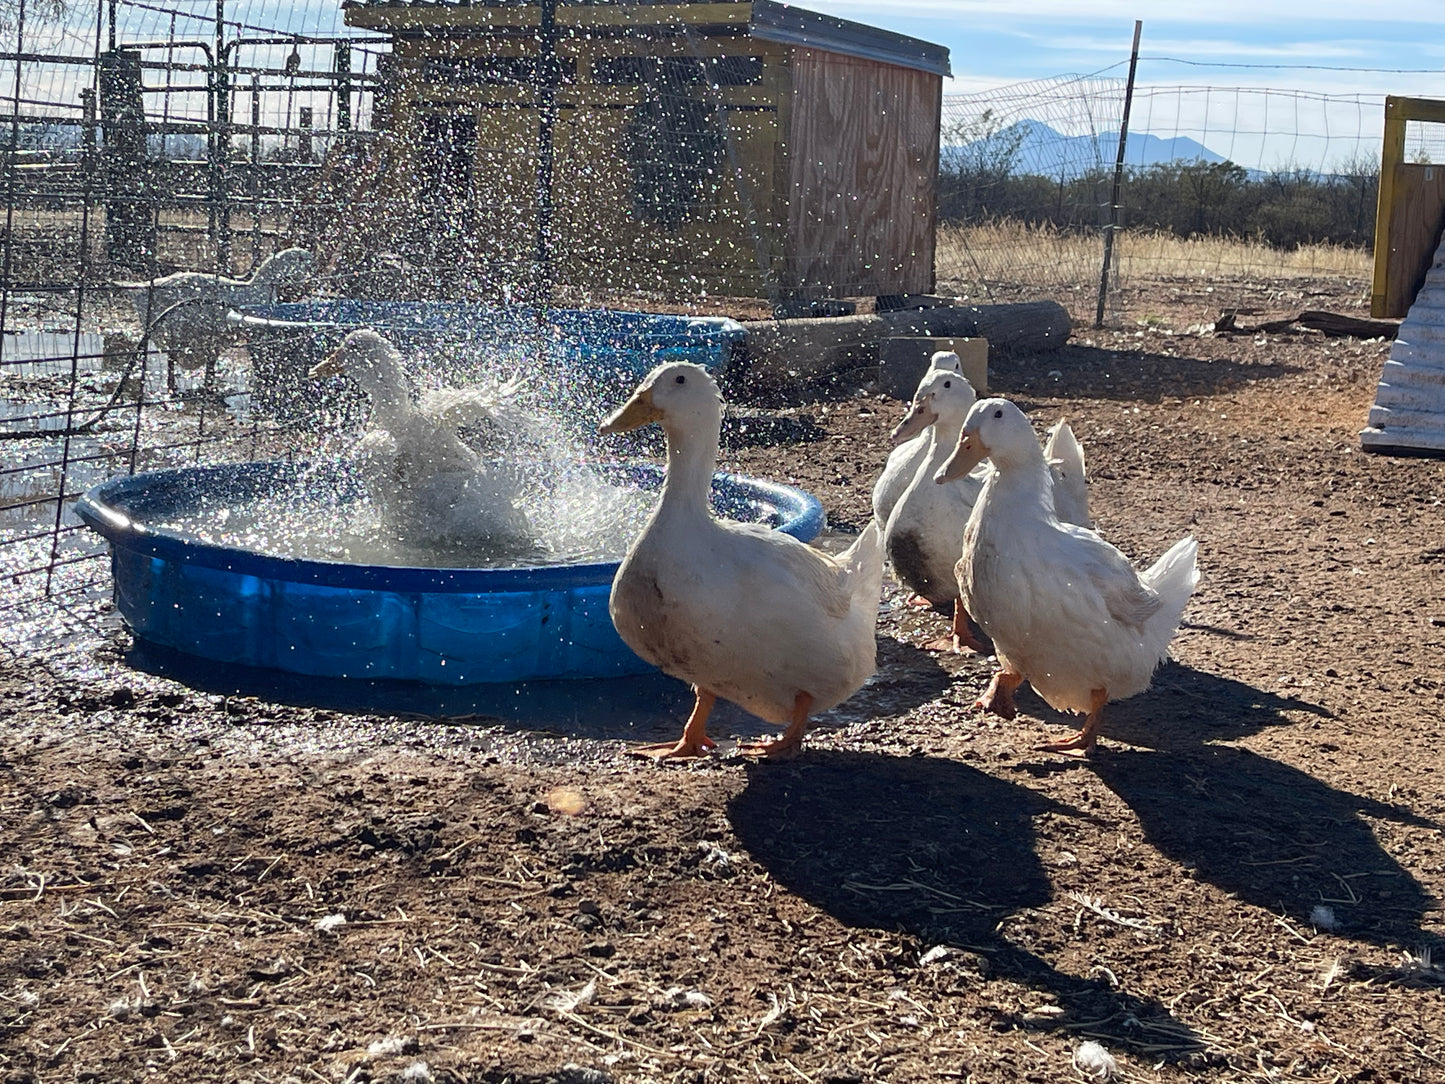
x: 645, y: 707
x: 1275, y: 837
x: 931, y: 847
x: 1089, y: 372
x: 1269, y: 833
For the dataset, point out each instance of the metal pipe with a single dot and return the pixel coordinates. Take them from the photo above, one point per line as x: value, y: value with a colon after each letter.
x: 549, y: 75
x: 1113, y: 226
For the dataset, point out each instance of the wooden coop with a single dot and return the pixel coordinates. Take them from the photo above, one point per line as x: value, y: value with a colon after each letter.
x: 1411, y: 210
x: 749, y: 149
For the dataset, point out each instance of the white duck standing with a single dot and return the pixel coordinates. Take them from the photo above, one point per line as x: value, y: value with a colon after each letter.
x: 903, y: 460
x: 924, y: 536
x: 738, y: 610
x: 185, y: 313
x: 924, y: 533
x: 1066, y: 611
x: 431, y: 486
x: 1065, y: 456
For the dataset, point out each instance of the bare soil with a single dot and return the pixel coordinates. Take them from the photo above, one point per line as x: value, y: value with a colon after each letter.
x: 1243, y: 883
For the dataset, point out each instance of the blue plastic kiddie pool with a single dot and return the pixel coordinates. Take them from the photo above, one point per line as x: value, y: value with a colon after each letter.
x: 445, y: 626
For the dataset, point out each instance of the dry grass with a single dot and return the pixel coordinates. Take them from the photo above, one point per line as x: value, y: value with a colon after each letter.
x: 1003, y: 256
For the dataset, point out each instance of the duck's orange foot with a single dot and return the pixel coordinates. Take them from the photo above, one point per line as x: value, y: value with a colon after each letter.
x: 791, y: 743
x: 998, y: 698
x: 778, y: 749
x: 682, y: 749
x: 947, y: 645
x: 1080, y: 746
x: 918, y: 601
x: 1082, y: 743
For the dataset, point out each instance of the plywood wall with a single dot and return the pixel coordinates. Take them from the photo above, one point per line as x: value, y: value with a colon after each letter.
x: 1415, y: 221
x: 863, y: 166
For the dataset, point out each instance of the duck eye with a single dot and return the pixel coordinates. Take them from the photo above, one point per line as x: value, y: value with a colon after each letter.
x: 681, y: 379
x: 998, y: 413
x: 948, y: 383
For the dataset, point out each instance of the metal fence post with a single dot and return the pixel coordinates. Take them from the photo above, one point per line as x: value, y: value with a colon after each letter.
x: 1113, y: 226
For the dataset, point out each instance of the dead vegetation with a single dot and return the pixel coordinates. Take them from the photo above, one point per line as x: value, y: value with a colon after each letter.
x: 222, y: 880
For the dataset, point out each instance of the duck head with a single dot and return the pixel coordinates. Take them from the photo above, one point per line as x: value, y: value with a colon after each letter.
x: 946, y: 359
x: 944, y: 395
x: 996, y: 429
x: 288, y: 269
x: 372, y: 361
x: 679, y: 395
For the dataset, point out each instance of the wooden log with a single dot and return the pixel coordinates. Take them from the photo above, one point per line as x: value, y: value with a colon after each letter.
x: 1029, y: 327
x: 790, y: 353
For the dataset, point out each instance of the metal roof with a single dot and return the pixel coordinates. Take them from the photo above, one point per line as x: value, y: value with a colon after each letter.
x: 765, y: 19
x: 789, y: 25
x: 1409, y: 410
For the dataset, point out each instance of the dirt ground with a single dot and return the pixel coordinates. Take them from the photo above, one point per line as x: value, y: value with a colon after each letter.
x: 1243, y: 883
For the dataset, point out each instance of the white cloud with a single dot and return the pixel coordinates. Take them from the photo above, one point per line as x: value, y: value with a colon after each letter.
x: 1289, y: 13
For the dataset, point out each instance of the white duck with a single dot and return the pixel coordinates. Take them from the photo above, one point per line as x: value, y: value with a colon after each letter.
x: 924, y: 533
x: 740, y: 611
x: 431, y: 486
x: 185, y: 313
x: 924, y: 536
x: 1065, y: 456
x: 1067, y: 612
x: 903, y: 460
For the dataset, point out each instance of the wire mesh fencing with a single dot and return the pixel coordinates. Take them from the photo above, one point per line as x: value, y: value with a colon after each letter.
x: 1229, y: 183
x: 660, y: 172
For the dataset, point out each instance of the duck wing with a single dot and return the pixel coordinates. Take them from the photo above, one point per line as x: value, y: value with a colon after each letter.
x: 1129, y: 601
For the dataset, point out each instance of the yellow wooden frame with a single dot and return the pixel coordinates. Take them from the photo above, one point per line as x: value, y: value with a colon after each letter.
x: 1398, y: 112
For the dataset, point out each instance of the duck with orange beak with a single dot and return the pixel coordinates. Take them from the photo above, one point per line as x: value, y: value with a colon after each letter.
x: 738, y: 610
x: 1066, y: 610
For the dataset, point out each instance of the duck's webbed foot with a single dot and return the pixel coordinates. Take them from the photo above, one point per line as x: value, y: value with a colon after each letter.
x: 791, y: 743
x: 998, y: 698
x: 694, y: 741
x: 1082, y: 743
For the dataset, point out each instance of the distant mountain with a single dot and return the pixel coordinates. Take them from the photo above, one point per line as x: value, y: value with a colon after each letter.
x: 1044, y: 151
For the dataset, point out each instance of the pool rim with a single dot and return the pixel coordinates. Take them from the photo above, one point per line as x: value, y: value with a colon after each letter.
x: 803, y: 512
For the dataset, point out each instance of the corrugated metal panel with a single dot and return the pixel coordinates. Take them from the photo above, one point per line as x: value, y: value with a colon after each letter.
x: 788, y: 25
x: 1409, y: 410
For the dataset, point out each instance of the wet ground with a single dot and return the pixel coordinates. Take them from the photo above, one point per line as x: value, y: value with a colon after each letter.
x: 235, y: 876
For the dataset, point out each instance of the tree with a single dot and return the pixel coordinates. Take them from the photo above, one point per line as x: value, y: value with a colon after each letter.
x: 36, y: 11
x: 977, y: 158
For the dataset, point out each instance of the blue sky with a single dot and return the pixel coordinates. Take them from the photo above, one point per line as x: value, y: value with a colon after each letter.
x: 1263, y: 82
x: 1285, y: 43
x: 1282, y: 74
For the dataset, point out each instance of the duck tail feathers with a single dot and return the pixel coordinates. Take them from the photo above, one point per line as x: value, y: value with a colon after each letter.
x: 1065, y: 457
x: 1174, y: 577
x: 863, y: 562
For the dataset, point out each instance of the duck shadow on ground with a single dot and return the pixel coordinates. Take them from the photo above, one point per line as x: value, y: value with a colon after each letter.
x: 928, y: 846
x: 1183, y: 708
x: 1275, y: 837
x: 1263, y: 830
x: 1090, y: 372
x: 647, y: 707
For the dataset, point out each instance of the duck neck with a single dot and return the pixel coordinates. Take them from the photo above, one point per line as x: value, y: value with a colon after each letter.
x: 691, y: 461
x: 390, y: 397
x: 1023, y: 481
x: 943, y: 438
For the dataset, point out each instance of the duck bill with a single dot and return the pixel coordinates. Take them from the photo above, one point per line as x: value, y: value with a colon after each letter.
x: 330, y: 365
x: 633, y: 414
x: 918, y: 418
x: 969, y: 454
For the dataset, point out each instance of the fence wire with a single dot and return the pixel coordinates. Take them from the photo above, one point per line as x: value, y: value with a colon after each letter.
x: 141, y: 139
